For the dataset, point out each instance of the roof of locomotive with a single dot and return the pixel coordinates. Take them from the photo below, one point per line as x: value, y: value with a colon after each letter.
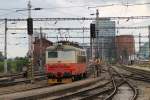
x: 65, y: 45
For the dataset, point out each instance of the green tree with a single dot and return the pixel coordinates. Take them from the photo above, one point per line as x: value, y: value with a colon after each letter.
x: 16, y: 65
x: 20, y: 62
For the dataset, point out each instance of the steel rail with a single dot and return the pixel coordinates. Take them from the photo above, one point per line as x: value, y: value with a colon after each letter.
x: 19, y: 78
x: 145, y: 74
x: 135, y: 91
x: 101, y: 93
x: 114, y: 85
x: 75, y: 94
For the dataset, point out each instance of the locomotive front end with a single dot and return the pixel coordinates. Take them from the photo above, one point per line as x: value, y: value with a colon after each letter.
x: 64, y: 64
x: 59, y: 73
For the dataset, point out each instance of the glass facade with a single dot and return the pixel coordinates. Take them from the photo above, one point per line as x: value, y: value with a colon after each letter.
x: 105, y: 39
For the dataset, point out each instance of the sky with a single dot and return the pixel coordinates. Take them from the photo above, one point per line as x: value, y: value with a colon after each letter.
x: 67, y: 8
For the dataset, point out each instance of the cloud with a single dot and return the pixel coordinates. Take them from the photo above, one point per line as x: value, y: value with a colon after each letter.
x: 73, y: 11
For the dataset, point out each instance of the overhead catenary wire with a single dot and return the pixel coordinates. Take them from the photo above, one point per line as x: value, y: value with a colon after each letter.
x: 75, y: 6
x: 93, y: 6
x: 120, y: 4
x: 23, y: 37
x: 85, y: 28
x: 77, y: 18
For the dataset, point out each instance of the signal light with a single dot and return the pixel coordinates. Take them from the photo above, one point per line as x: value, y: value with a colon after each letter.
x: 30, y: 26
x: 92, y: 31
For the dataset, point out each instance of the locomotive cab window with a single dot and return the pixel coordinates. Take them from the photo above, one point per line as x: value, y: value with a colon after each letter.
x: 52, y: 54
x: 81, y: 57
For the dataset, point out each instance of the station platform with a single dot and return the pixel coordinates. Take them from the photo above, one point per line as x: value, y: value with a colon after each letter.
x: 47, y: 90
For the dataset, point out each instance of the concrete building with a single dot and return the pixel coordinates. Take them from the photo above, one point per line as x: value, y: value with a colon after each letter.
x: 104, y: 43
x: 125, y: 48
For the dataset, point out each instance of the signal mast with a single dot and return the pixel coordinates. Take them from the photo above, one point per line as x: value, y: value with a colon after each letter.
x: 30, y: 40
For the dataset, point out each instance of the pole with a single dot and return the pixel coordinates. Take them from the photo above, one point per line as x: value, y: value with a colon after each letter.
x: 83, y: 35
x: 97, y: 41
x: 139, y: 45
x: 5, y: 48
x: 97, y: 31
x: 40, y: 67
x: 149, y: 42
x: 91, y: 48
x: 30, y: 69
x: 29, y: 9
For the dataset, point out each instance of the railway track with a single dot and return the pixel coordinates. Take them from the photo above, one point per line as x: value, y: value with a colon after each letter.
x: 85, y: 93
x: 99, y: 91
x: 10, y: 86
x: 18, y: 75
x: 23, y: 87
x: 20, y: 81
x: 49, y: 91
x: 14, y: 79
x: 143, y: 73
x: 116, y: 86
x: 10, y: 75
x: 135, y: 75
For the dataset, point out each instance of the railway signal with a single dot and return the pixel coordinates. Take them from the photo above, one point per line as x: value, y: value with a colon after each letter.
x: 30, y: 34
x: 30, y: 26
x: 92, y: 30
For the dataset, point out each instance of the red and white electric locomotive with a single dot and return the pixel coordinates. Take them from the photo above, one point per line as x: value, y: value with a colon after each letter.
x: 65, y: 62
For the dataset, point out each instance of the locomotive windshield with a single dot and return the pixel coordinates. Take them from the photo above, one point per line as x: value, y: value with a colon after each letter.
x: 62, y: 55
x: 67, y: 55
x: 52, y: 54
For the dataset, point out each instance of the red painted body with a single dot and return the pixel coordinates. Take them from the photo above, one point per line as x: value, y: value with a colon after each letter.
x: 58, y: 69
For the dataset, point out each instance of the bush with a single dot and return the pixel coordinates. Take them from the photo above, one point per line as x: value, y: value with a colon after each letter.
x: 14, y: 65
